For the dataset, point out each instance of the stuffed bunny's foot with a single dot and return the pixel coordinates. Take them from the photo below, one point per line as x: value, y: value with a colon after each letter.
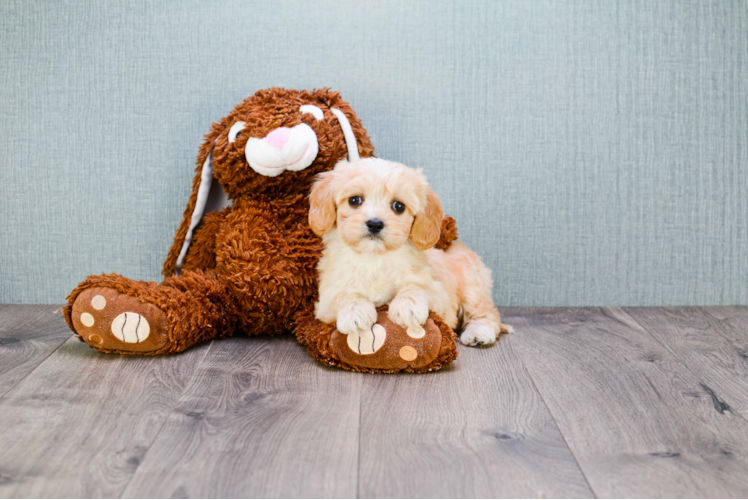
x: 386, y: 348
x: 110, y: 321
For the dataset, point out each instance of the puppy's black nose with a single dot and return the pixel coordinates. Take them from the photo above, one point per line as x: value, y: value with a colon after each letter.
x: 374, y: 225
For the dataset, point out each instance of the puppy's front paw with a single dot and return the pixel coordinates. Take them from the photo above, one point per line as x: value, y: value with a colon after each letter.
x: 477, y: 334
x: 356, y: 318
x: 409, y: 311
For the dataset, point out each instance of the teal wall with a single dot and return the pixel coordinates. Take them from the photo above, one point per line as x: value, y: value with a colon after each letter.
x: 593, y: 152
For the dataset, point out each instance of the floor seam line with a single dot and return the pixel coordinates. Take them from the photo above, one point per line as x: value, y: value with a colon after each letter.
x: 166, y: 418
x: 555, y: 422
x: 678, y: 359
x: 36, y: 367
x: 358, y: 445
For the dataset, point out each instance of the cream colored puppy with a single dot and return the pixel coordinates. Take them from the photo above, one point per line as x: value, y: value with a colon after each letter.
x: 379, y: 221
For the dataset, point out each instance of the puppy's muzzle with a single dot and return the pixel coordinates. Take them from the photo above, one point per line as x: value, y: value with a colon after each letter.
x: 375, y: 226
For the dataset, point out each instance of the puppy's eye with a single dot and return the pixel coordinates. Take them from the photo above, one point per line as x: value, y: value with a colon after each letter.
x: 398, y: 207
x: 355, y: 201
x: 235, y: 130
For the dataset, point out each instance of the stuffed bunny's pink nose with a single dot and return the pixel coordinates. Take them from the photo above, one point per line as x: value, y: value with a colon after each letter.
x: 278, y: 137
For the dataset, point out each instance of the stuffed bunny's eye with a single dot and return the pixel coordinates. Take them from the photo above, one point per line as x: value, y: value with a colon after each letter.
x: 235, y: 130
x: 312, y: 110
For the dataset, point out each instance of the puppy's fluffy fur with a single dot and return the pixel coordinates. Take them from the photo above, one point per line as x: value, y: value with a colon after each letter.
x: 361, y: 269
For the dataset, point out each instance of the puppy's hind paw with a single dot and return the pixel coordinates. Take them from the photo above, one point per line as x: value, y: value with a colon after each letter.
x: 477, y: 334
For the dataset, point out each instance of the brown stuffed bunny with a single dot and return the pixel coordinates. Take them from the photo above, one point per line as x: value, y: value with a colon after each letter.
x: 245, y: 260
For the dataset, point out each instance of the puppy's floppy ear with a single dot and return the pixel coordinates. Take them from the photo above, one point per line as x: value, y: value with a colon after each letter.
x: 322, y: 213
x: 428, y: 222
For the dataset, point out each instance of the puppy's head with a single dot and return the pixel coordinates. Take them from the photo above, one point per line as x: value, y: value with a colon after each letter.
x: 376, y: 205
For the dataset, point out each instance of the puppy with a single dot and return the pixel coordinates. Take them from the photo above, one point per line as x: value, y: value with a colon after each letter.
x: 379, y: 221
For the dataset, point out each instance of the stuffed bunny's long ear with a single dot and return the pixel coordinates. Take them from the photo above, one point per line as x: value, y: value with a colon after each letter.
x: 350, y: 137
x: 207, y: 195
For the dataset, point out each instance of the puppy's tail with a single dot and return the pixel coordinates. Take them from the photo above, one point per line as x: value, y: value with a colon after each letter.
x: 448, y: 234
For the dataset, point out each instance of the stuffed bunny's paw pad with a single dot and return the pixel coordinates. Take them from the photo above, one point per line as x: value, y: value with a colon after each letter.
x: 115, y: 322
x: 389, y: 347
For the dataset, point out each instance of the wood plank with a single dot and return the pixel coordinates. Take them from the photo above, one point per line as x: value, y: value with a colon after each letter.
x: 477, y: 429
x: 79, y: 425
x: 639, y: 423
x: 28, y: 334
x: 712, y: 342
x: 260, y: 419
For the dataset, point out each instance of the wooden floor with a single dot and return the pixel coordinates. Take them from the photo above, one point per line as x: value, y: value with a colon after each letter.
x: 577, y: 403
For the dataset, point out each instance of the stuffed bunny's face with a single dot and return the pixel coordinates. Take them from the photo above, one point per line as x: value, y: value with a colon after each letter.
x: 278, y: 140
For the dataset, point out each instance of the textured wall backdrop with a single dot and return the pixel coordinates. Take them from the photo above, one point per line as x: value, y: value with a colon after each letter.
x: 594, y: 152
